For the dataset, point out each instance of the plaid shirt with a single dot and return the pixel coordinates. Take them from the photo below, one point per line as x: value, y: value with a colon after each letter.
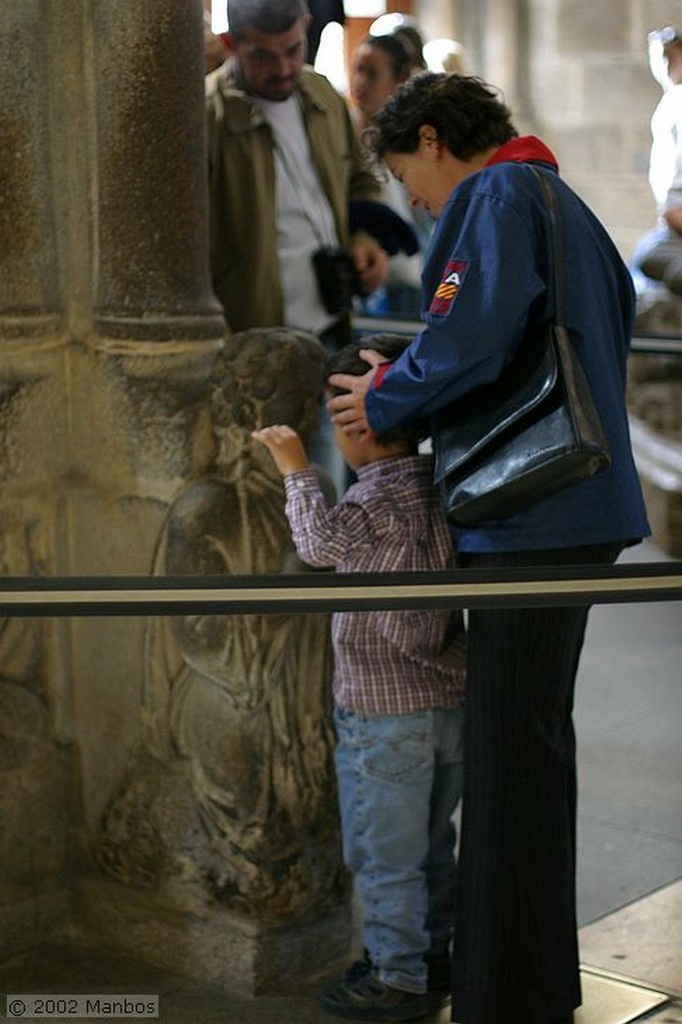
x: 386, y: 662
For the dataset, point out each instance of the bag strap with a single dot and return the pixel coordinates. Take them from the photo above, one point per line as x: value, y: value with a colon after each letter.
x: 558, y: 282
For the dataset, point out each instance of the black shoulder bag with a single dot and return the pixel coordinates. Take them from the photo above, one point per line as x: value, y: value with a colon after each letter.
x: 532, y: 432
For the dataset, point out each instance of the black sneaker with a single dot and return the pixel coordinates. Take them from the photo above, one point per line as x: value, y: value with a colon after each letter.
x: 358, y: 969
x: 360, y: 995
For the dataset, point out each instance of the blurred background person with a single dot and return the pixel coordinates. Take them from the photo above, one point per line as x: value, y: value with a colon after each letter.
x: 378, y: 65
x: 285, y: 165
x: 406, y: 29
x: 215, y: 51
x: 665, y: 61
x: 322, y: 13
x: 446, y: 55
x: 663, y: 262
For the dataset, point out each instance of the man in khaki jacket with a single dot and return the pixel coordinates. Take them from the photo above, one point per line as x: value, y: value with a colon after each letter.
x: 284, y: 164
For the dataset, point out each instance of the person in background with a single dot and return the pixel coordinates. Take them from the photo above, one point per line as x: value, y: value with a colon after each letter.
x: 378, y: 65
x: 450, y: 139
x: 215, y: 51
x: 407, y: 31
x: 397, y: 687
x: 284, y: 167
x: 446, y: 55
x: 651, y: 252
x: 322, y: 12
x: 411, y: 38
x: 663, y: 262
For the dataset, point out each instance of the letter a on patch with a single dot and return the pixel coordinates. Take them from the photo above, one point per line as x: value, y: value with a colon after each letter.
x: 447, y: 290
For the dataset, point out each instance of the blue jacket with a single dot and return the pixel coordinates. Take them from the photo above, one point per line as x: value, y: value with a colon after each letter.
x: 485, y: 275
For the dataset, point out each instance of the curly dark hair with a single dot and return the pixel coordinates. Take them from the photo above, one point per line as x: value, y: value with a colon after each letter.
x: 468, y: 115
x: 348, y: 360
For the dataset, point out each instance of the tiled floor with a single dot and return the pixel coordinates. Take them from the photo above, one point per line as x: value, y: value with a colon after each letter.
x: 629, y: 722
x: 643, y: 941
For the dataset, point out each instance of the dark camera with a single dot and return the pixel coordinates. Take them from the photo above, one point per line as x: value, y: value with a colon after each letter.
x: 336, y: 278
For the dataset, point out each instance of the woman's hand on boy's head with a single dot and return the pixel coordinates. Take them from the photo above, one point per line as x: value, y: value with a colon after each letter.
x: 285, y: 446
x: 348, y: 410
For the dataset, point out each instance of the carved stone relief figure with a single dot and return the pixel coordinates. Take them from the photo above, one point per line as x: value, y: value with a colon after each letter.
x: 23, y: 552
x: 237, y: 704
x: 37, y: 771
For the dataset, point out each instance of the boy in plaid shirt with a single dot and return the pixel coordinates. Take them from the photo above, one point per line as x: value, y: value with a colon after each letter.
x: 398, y: 687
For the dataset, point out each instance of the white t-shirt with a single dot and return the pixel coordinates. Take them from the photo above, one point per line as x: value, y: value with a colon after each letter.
x: 673, y: 200
x: 304, y: 216
x: 404, y: 269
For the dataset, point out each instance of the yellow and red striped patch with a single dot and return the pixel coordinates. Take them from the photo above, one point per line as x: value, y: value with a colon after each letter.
x: 446, y: 292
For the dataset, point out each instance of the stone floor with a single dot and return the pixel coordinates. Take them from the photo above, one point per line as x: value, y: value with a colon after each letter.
x: 632, y: 971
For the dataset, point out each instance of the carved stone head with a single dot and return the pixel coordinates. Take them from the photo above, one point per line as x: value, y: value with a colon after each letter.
x: 269, y: 375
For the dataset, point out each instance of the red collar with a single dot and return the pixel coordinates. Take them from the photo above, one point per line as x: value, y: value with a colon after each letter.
x: 526, y: 149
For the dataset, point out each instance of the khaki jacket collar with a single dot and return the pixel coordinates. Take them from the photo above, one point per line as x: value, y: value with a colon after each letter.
x: 244, y: 113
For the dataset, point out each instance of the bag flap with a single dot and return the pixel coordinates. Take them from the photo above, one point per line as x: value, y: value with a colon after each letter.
x: 468, y: 425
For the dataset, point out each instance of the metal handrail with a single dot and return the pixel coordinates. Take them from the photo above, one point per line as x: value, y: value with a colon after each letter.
x: 654, y: 343
x: 322, y: 591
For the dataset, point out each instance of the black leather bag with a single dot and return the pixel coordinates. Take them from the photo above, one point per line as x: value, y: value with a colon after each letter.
x: 529, y: 434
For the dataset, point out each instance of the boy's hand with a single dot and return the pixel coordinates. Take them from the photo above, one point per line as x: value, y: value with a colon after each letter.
x: 285, y: 446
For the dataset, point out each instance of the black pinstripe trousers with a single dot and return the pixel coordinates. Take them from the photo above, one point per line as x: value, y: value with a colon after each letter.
x: 515, y: 957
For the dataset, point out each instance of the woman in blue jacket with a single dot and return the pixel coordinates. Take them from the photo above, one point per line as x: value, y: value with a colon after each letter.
x: 451, y: 141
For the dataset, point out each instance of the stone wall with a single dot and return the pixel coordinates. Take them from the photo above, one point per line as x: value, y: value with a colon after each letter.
x: 577, y: 73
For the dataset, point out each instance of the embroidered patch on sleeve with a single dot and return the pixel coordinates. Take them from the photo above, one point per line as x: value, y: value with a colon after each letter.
x: 450, y: 283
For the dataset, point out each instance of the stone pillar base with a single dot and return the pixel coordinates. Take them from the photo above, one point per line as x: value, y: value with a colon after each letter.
x: 26, y: 923
x: 219, y: 947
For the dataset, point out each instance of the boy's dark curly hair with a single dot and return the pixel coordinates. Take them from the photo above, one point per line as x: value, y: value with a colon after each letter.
x: 348, y: 360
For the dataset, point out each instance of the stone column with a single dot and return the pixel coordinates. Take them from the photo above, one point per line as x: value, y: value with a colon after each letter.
x: 109, y: 340
x: 153, y: 275
x: 28, y: 283
x: 36, y: 773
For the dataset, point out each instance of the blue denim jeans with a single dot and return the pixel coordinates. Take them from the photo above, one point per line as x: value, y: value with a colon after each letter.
x: 399, y: 780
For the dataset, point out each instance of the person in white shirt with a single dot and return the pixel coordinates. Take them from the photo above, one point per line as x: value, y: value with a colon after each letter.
x: 284, y: 167
x: 652, y: 251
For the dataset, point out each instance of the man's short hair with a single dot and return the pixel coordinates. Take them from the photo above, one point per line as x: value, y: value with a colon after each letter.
x: 348, y: 360
x: 271, y: 16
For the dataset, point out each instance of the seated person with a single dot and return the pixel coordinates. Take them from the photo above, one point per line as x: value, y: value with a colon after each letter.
x: 665, y: 162
x: 663, y: 262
